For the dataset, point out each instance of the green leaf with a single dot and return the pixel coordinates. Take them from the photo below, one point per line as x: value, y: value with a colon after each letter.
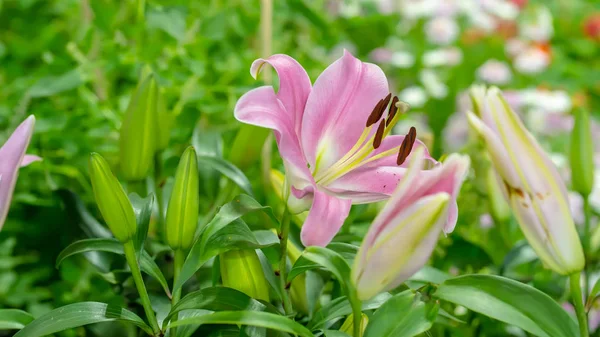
x: 236, y: 235
x: 218, y: 299
x: 76, y: 208
x: 340, y: 307
x: 253, y: 318
x: 52, y: 85
x: 143, y: 211
x: 403, y: 315
x: 79, y: 314
x: 594, y: 294
x: 303, y: 264
x: 147, y: 264
x: 511, y: 302
x: 227, y: 169
x: 335, y: 333
x: 13, y: 319
x: 230, y: 212
x: 208, y: 143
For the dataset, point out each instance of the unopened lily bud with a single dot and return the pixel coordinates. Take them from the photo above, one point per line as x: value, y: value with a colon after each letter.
x: 498, y: 206
x: 348, y: 326
x: 581, y: 155
x: 138, y: 138
x: 534, y: 189
x: 112, y: 201
x: 241, y: 270
x: 405, y: 232
x: 182, y: 211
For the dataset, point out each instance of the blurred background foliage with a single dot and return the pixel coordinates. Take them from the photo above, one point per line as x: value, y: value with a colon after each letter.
x: 74, y: 64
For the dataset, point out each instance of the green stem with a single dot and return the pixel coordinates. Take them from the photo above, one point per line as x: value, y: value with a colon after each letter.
x: 587, y: 242
x: 356, y: 314
x: 284, y: 232
x: 578, y: 301
x: 139, y: 283
x: 179, y: 259
x: 141, y: 9
x: 160, y: 223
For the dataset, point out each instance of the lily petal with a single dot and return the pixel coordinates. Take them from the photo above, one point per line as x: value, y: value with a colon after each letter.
x: 11, y: 157
x: 402, y: 248
x: 28, y: 159
x: 337, y: 109
x: 324, y: 220
x: 294, y: 85
x: 261, y: 107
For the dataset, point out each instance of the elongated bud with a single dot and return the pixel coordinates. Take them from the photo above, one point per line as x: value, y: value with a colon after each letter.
x: 241, y: 270
x: 138, y: 139
x: 112, y: 201
x: 534, y: 189
x: 499, y: 208
x: 581, y: 154
x: 182, y: 211
x: 348, y: 326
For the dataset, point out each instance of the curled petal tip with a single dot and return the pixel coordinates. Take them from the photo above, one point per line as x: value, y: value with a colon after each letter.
x: 256, y: 67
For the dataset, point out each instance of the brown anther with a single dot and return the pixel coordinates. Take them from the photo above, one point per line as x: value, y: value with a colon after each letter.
x: 378, y: 110
x: 407, y: 145
x: 277, y: 273
x: 379, y: 135
x: 392, y: 111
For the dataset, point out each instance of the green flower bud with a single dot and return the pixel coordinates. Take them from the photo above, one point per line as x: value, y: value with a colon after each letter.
x: 182, y: 211
x: 112, y: 201
x: 581, y: 155
x: 348, y: 326
x: 241, y: 270
x: 138, y: 139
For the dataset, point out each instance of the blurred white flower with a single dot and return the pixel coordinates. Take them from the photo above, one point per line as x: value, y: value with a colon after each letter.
x: 402, y: 59
x: 432, y: 83
x: 415, y: 9
x: 449, y: 56
x: 441, y: 30
x: 595, y: 195
x: 415, y: 96
x: 537, y: 26
x: 531, y: 61
x: 494, y: 72
x: 503, y: 9
x: 477, y: 16
x: 514, y: 47
x: 556, y: 101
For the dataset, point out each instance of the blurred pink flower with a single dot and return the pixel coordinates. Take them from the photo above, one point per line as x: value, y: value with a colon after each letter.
x: 441, y: 30
x: 494, y: 72
x: 331, y: 137
x: 486, y: 221
x: 12, y: 156
x: 593, y: 316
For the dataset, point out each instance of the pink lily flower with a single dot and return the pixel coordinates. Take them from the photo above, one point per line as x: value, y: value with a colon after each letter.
x: 12, y: 156
x: 332, y: 137
x: 404, y: 234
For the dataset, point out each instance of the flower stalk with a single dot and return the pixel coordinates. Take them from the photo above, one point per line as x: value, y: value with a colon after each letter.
x: 283, y: 234
x: 577, y: 295
x: 139, y: 284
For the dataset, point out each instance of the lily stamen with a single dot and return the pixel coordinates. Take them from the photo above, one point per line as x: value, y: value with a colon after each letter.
x: 359, y: 153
